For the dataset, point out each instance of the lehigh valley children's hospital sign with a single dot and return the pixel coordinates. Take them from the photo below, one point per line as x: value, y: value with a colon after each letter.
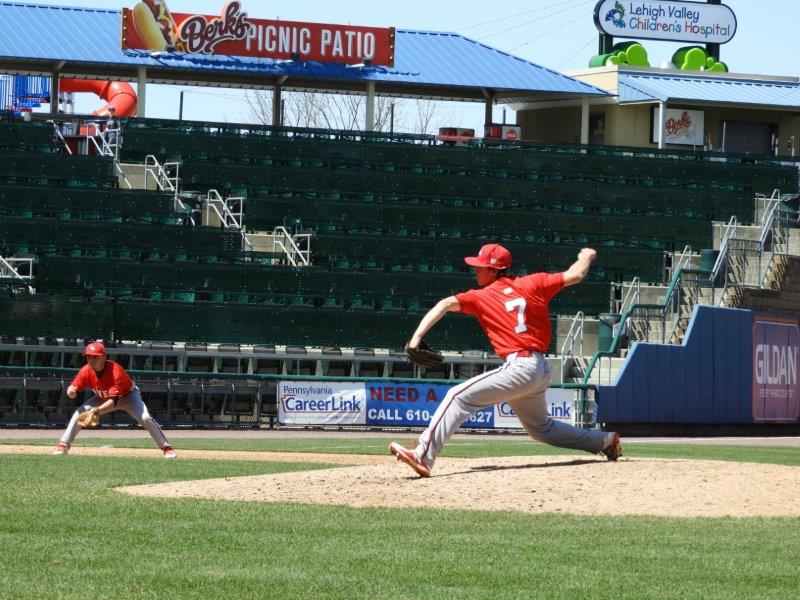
x: 151, y: 26
x: 671, y: 21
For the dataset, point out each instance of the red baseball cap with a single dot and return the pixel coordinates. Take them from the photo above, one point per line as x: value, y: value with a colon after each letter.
x: 95, y: 349
x: 493, y: 256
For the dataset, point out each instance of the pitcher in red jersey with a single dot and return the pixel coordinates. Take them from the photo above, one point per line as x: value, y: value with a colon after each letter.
x: 113, y: 390
x: 513, y: 312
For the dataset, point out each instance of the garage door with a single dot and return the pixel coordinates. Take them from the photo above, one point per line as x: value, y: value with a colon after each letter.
x: 748, y: 138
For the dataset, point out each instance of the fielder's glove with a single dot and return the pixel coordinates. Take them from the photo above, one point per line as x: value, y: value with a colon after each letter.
x: 424, y: 355
x: 89, y: 419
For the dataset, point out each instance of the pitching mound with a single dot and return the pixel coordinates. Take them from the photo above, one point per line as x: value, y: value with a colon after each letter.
x: 554, y: 484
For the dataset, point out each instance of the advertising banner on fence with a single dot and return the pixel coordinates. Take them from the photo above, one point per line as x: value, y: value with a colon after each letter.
x: 391, y: 404
x: 560, y: 406
x: 666, y: 20
x: 151, y: 26
x: 776, y: 394
x: 321, y: 403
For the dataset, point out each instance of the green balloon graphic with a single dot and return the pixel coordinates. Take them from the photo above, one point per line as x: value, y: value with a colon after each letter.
x: 598, y: 60
x: 695, y: 58
x: 636, y: 56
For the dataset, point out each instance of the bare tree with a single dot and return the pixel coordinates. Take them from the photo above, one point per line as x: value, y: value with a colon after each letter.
x: 326, y: 111
x: 429, y: 115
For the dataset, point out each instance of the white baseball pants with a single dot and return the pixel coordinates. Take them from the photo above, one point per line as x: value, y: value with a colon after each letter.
x: 522, y: 383
x: 132, y: 404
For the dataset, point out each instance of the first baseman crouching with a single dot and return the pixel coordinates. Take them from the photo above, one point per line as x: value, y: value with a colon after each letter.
x: 114, y: 390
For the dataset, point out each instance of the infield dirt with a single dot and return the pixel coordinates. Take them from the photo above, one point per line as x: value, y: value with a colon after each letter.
x: 531, y: 484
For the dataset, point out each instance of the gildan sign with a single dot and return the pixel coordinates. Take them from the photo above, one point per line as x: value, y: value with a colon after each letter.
x: 776, y: 394
x: 684, y: 127
x: 670, y: 21
x: 151, y: 26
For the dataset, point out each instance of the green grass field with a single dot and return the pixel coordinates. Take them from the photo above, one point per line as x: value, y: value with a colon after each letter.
x: 64, y: 533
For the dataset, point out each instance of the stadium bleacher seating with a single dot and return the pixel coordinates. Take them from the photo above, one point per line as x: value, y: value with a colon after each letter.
x: 391, y: 217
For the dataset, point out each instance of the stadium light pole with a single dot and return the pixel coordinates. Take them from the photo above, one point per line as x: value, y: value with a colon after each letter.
x: 180, y: 108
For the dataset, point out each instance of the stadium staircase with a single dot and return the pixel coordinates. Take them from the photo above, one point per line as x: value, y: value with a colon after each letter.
x: 756, y: 267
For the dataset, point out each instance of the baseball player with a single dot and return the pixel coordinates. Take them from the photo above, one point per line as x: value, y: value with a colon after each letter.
x: 114, y: 390
x: 514, y: 315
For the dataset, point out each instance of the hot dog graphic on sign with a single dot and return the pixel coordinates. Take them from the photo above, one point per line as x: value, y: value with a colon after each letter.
x: 155, y: 26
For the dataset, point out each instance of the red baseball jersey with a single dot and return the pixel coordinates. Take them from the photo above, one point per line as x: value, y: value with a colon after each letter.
x: 513, y: 311
x: 112, y: 382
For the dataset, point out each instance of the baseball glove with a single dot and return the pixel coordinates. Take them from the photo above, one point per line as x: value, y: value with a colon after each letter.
x: 424, y: 355
x: 89, y: 419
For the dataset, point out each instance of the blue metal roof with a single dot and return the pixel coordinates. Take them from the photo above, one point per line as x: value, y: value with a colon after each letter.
x: 650, y: 87
x: 422, y: 58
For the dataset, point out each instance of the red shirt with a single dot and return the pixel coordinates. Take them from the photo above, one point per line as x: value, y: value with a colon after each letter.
x: 513, y: 311
x: 112, y: 382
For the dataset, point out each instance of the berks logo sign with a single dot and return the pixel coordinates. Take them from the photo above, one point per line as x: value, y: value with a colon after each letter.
x: 202, y: 35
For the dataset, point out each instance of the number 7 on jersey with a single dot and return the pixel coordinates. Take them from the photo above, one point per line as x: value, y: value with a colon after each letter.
x: 518, y: 304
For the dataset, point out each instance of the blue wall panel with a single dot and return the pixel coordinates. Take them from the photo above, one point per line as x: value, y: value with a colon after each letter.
x: 706, y: 380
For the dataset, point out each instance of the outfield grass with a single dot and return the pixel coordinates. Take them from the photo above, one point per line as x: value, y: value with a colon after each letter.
x: 65, y: 533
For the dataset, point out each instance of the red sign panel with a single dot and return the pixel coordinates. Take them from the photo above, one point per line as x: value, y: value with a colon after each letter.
x: 151, y: 26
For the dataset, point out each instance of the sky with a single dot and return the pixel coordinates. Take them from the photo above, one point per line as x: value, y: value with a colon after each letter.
x: 558, y: 34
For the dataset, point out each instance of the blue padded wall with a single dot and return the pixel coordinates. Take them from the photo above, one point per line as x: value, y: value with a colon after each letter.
x: 706, y: 380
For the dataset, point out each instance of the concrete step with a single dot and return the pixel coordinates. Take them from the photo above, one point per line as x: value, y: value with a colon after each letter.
x: 743, y: 232
x: 260, y: 241
x: 133, y: 177
x: 591, y: 328
x: 605, y: 369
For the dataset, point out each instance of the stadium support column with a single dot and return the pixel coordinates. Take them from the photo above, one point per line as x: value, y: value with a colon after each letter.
x: 584, y: 120
x: 54, y: 94
x: 141, y: 91
x: 369, y: 124
x: 662, y: 113
x: 488, y: 109
x: 276, y: 101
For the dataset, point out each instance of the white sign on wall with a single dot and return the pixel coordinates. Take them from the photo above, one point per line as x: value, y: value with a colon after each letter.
x: 681, y: 126
x: 560, y: 406
x: 670, y: 21
x: 322, y: 403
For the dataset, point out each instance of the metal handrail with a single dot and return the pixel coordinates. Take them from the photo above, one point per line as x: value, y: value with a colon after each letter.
x: 293, y: 249
x: 122, y: 173
x: 104, y: 148
x: 60, y: 136
x: 8, y: 267
x: 229, y: 219
x: 633, y: 294
x: 730, y: 231
x: 575, y: 332
x: 246, y: 243
x: 685, y: 258
x: 769, y: 218
x: 158, y: 172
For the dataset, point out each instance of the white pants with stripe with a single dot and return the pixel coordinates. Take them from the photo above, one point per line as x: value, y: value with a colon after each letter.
x: 132, y: 404
x: 522, y: 383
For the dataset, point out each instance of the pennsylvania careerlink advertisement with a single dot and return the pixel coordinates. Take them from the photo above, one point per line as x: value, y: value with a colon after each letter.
x: 389, y: 404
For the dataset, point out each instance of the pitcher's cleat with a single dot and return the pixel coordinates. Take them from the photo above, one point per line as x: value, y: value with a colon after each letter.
x: 611, y: 446
x: 61, y: 448
x: 407, y: 456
